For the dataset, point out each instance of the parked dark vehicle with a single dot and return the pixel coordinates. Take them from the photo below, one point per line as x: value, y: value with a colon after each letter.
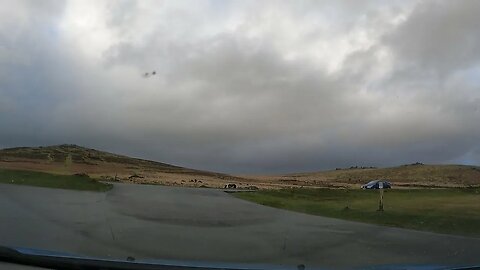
x: 375, y: 184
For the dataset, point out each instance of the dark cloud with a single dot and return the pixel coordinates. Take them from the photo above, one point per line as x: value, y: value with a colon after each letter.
x: 246, y: 86
x: 439, y: 35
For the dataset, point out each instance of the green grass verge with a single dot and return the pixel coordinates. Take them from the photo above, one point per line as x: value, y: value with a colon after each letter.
x: 41, y: 179
x: 453, y: 211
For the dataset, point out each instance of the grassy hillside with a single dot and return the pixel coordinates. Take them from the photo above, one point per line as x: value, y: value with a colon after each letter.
x: 39, y: 179
x: 429, y: 174
x: 74, y: 154
x: 414, y: 175
x: 70, y: 159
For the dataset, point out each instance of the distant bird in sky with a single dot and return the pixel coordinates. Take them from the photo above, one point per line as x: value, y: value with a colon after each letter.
x: 147, y: 74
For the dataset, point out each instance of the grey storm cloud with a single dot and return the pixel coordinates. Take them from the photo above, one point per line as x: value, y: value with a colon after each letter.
x: 245, y: 86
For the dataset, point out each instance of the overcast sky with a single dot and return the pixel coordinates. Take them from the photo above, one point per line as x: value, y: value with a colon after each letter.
x: 245, y: 86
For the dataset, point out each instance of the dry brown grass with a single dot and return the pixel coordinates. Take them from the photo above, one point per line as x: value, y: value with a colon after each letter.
x: 403, y: 176
x: 107, y: 166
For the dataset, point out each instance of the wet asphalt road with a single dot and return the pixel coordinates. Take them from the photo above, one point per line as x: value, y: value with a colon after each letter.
x: 150, y: 222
